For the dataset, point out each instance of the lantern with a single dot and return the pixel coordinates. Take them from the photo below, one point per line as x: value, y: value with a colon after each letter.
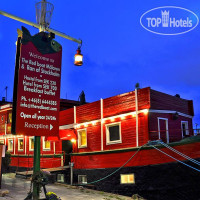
x: 78, y: 58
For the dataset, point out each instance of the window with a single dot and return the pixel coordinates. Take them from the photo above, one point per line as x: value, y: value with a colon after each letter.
x: 184, y: 128
x: 10, y: 144
x: 9, y: 120
x: 82, y: 179
x: 46, y: 144
x: 60, y: 178
x: 82, y: 138
x: 31, y: 143
x: 1, y: 141
x: 127, y: 178
x: 113, y: 133
x: 20, y: 144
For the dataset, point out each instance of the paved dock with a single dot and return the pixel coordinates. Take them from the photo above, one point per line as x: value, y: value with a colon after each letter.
x: 19, y: 187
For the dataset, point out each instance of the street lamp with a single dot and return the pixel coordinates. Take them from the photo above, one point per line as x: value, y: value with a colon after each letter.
x: 78, y: 58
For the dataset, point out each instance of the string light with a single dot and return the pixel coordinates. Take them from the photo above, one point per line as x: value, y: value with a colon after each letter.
x: 112, y: 119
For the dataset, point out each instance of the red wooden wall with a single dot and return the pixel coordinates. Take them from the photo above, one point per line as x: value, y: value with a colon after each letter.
x: 174, y: 126
x: 162, y: 101
x: 113, y: 106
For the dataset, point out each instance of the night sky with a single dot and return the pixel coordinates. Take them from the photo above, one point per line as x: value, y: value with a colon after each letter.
x: 118, y: 51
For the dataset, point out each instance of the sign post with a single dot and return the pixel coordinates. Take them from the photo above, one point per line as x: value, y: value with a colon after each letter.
x: 36, y: 96
x: 37, y: 91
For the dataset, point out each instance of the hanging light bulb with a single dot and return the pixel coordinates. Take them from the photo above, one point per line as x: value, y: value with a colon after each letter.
x: 78, y: 58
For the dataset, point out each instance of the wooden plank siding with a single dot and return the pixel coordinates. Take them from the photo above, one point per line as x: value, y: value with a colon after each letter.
x: 174, y: 126
x: 128, y: 134
x: 93, y: 138
x: 144, y: 98
x: 119, y: 104
x: 113, y: 106
x: 66, y: 117
x: 88, y: 112
x: 162, y: 101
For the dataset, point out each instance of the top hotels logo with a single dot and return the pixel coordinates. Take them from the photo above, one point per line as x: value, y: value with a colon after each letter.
x: 169, y: 20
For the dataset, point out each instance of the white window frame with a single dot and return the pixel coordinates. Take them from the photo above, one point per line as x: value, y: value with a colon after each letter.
x: 167, y: 129
x: 108, y: 142
x: 127, y: 175
x: 19, y: 143
x: 60, y: 178
x: 187, y: 128
x: 79, y: 176
x: 11, y: 150
x: 79, y: 145
x: 29, y: 142
x: 43, y: 145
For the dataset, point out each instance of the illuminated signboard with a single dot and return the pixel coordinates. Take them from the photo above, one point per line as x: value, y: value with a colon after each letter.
x: 36, y: 99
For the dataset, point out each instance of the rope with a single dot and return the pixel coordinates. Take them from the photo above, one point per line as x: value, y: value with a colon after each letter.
x: 176, y: 159
x: 181, y: 154
x: 101, y: 179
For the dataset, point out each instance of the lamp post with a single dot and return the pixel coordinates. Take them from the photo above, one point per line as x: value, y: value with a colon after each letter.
x: 44, y: 12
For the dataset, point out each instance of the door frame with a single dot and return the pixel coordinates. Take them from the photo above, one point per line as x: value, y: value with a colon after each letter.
x: 167, y: 130
x: 187, y: 128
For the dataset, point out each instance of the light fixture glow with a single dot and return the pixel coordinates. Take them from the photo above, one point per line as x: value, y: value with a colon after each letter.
x: 86, y: 125
x: 112, y: 119
x: 78, y: 126
x: 145, y: 111
x: 122, y: 117
x: 78, y: 58
x: 73, y: 140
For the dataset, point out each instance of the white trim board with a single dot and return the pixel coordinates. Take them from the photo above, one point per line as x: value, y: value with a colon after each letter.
x: 169, y: 112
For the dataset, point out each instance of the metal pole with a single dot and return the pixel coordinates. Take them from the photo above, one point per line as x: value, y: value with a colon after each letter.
x: 36, y: 167
x: 71, y: 172
x: 38, y: 26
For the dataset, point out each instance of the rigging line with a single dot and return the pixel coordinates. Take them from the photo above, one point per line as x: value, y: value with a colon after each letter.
x: 114, y: 171
x: 175, y: 159
x: 181, y: 154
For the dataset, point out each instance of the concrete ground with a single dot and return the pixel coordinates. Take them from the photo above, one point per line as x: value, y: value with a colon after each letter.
x: 19, y: 187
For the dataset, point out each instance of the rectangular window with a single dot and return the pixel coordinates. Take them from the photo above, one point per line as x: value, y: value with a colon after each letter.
x: 20, y: 144
x: 82, y: 138
x: 113, y: 133
x: 10, y: 144
x: 46, y: 144
x: 60, y: 178
x: 31, y: 143
x: 9, y: 120
x: 1, y: 141
x: 127, y: 178
x: 82, y: 179
x: 184, y: 128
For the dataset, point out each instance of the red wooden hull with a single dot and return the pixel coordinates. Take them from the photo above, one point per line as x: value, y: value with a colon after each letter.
x: 45, y: 162
x: 146, y: 156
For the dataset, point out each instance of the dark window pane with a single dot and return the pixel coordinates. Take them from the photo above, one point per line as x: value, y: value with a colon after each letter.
x: 114, y: 133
